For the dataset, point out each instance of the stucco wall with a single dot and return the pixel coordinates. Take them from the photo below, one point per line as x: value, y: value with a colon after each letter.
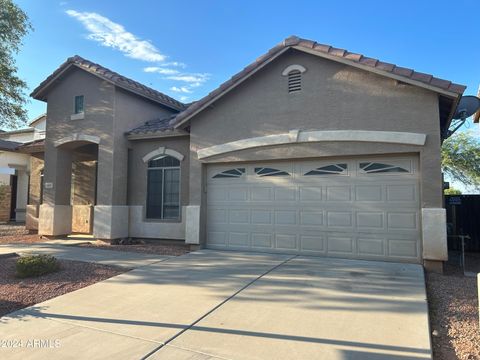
x: 36, y: 167
x: 333, y: 97
x: 98, y: 121
x: 109, y: 113
x: 137, y: 189
x: 130, y: 111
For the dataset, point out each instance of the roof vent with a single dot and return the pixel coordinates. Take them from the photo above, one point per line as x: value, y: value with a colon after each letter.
x: 294, y: 81
x: 294, y: 74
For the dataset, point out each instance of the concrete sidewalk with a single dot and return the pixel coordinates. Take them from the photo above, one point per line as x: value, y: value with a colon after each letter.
x: 88, y: 254
x: 232, y: 305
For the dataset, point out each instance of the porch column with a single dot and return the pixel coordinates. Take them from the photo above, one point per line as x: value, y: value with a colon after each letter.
x: 111, y: 213
x: 56, y: 213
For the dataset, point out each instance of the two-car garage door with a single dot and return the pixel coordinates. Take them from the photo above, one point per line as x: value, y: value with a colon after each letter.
x: 363, y: 208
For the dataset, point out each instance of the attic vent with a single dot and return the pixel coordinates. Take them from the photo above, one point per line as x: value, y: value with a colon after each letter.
x: 294, y: 81
x: 294, y: 75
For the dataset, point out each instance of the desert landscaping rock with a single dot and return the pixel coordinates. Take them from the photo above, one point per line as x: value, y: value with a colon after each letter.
x: 18, y: 293
x: 453, y: 305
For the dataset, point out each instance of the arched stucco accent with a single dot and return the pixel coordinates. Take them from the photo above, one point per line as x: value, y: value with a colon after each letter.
x: 163, y: 151
x: 292, y: 67
x: 77, y: 137
x: 301, y: 136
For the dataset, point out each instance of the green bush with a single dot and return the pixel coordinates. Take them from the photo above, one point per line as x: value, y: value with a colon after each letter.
x: 36, y: 265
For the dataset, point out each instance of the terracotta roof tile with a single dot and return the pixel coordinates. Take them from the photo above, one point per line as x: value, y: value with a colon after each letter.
x: 322, y: 47
x: 385, y: 66
x: 422, y: 77
x: 368, y: 61
x: 398, y: 70
x: 109, y: 75
x: 337, y: 52
x: 444, y: 84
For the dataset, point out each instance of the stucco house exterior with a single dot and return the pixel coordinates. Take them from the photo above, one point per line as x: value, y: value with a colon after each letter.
x: 308, y: 150
x: 15, y: 168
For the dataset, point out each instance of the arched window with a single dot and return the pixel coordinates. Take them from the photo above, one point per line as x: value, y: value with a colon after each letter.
x: 163, y: 188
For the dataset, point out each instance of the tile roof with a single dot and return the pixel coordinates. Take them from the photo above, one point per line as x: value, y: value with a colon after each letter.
x: 9, y: 145
x: 19, y: 131
x: 154, y: 126
x: 34, y: 146
x: 333, y: 53
x: 112, y: 77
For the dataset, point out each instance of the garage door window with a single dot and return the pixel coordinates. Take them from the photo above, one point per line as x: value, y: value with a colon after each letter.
x: 334, y: 169
x: 374, y: 168
x: 232, y: 173
x: 163, y: 188
x: 261, y: 171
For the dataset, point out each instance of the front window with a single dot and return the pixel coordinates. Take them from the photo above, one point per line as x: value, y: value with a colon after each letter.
x: 163, y: 188
x: 79, y: 104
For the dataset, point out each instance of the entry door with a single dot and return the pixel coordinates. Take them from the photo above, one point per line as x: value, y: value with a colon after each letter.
x: 355, y: 208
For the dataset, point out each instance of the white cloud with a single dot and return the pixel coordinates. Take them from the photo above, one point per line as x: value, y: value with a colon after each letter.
x: 160, y: 70
x: 111, y: 34
x: 181, y: 89
x: 191, y: 78
x: 184, y: 98
x: 175, y: 64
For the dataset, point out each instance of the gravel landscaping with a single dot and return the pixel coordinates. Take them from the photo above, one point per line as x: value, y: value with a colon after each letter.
x: 148, y: 248
x: 18, y: 293
x: 16, y: 233
x: 453, y: 307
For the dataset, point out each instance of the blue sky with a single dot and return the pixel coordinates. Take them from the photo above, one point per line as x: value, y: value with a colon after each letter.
x: 187, y: 48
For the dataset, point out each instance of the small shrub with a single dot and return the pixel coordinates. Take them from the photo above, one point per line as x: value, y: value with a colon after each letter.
x: 36, y: 265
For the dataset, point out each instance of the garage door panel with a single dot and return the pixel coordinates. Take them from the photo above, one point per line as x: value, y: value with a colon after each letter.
x: 312, y: 243
x: 286, y: 242
x: 370, y: 213
x: 261, y: 193
x: 239, y: 216
x: 370, y: 246
x: 337, y: 219
x: 285, y: 217
x: 403, y: 220
x: 370, y: 220
x: 402, y: 193
x: 262, y: 240
x: 312, y: 217
x: 369, y: 193
x: 340, y: 244
x: 311, y: 193
x: 405, y: 248
x: 239, y: 239
x: 339, y: 193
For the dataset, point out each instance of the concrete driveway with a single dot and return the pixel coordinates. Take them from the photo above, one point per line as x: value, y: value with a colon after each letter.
x: 232, y: 305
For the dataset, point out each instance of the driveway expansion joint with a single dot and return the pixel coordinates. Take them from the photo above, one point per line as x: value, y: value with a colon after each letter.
x: 216, y: 307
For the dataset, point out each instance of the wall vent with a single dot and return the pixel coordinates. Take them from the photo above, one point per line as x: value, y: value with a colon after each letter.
x: 294, y: 81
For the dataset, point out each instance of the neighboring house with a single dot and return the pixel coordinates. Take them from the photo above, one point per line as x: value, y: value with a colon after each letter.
x: 15, y: 168
x: 309, y: 150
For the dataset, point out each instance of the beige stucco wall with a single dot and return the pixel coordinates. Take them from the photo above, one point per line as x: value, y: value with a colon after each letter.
x: 109, y: 113
x: 137, y: 189
x: 333, y: 97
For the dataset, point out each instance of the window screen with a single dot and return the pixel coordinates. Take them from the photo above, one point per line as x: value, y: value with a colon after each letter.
x: 163, y: 188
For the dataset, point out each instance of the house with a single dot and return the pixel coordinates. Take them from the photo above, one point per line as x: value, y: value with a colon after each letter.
x: 308, y: 150
x: 15, y: 168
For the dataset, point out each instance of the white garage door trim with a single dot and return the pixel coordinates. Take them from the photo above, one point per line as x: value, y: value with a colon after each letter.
x: 364, y: 208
